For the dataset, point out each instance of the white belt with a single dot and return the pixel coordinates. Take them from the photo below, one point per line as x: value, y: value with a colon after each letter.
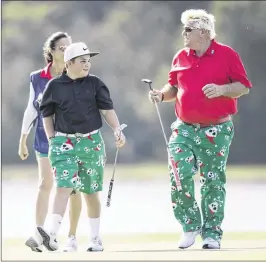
x: 76, y: 134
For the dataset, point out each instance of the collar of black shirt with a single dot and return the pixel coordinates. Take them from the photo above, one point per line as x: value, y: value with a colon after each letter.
x: 65, y: 78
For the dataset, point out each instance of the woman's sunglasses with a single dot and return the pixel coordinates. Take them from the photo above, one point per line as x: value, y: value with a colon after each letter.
x: 189, y: 29
x: 62, y: 48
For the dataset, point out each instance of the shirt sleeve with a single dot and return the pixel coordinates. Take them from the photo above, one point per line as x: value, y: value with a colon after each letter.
x: 103, y: 98
x: 30, y: 114
x: 172, y: 75
x: 237, y: 71
x: 47, y: 106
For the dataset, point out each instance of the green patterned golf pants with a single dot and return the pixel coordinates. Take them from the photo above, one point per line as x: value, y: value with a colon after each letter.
x: 204, y: 149
x: 78, y: 163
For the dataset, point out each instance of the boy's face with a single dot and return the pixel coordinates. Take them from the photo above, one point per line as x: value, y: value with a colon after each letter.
x: 80, y: 66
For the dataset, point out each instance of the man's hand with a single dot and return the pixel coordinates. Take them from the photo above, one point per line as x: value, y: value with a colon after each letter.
x: 212, y: 90
x: 155, y: 96
x: 120, y: 138
x: 23, y: 151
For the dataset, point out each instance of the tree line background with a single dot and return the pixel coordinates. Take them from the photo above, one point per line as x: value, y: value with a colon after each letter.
x: 136, y: 39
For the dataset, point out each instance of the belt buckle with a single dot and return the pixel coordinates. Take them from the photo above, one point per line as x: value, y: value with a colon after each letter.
x: 78, y: 135
x: 197, y: 125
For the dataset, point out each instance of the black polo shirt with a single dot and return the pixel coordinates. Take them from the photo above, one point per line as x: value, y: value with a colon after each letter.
x: 75, y: 104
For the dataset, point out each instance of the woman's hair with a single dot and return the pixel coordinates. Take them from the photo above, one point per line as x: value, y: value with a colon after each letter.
x: 50, y: 43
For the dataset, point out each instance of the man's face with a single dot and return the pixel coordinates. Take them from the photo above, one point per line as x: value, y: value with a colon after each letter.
x: 192, y: 36
x: 60, y: 47
x: 81, y: 66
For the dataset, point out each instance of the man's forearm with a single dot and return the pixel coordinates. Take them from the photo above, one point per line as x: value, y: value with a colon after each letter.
x: 169, y: 93
x: 110, y: 118
x: 48, y: 124
x: 235, y: 90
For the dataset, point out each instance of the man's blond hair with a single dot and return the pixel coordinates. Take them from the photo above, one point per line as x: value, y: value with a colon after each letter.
x: 200, y: 19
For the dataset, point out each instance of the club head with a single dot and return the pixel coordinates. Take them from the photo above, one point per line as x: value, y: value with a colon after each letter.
x: 148, y: 81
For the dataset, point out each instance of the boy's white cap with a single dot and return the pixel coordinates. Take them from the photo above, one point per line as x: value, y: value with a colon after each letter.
x: 77, y: 49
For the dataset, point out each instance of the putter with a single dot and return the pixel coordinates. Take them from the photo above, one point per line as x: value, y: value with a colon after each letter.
x: 172, y: 161
x: 113, y: 175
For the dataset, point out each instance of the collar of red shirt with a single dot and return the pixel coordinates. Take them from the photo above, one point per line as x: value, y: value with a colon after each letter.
x: 45, y: 73
x: 210, y: 51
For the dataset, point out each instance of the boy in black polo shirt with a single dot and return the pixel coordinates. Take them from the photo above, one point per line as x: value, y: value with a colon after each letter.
x: 72, y: 106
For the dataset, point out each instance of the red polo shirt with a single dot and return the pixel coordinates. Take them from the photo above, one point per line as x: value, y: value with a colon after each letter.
x: 219, y: 65
x: 45, y: 73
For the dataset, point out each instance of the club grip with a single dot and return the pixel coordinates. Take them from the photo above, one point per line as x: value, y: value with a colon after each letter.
x: 110, y: 192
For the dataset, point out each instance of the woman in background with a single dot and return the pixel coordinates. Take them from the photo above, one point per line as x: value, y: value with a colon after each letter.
x: 53, y: 52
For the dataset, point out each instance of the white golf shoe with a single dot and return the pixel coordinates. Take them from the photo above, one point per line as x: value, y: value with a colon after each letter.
x: 210, y: 243
x: 71, y: 245
x: 95, y: 245
x: 49, y: 240
x: 188, y: 239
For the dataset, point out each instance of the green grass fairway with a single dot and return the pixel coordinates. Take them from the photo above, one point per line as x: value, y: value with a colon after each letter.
x: 145, y: 171
x: 235, y: 246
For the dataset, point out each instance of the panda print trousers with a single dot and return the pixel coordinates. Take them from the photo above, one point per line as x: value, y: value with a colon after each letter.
x: 205, y: 150
x: 78, y: 162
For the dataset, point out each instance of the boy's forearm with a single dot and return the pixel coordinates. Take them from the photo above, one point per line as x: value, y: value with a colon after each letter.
x: 169, y: 93
x: 48, y: 124
x: 111, y: 118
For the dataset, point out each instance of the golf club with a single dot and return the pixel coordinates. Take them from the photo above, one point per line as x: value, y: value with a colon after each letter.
x: 172, y: 161
x: 113, y: 175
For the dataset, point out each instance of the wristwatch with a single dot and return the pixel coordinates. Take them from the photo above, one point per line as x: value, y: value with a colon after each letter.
x: 51, y: 137
x: 162, y: 96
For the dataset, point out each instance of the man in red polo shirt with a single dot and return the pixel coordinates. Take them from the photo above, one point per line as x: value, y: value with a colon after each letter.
x: 205, y: 80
